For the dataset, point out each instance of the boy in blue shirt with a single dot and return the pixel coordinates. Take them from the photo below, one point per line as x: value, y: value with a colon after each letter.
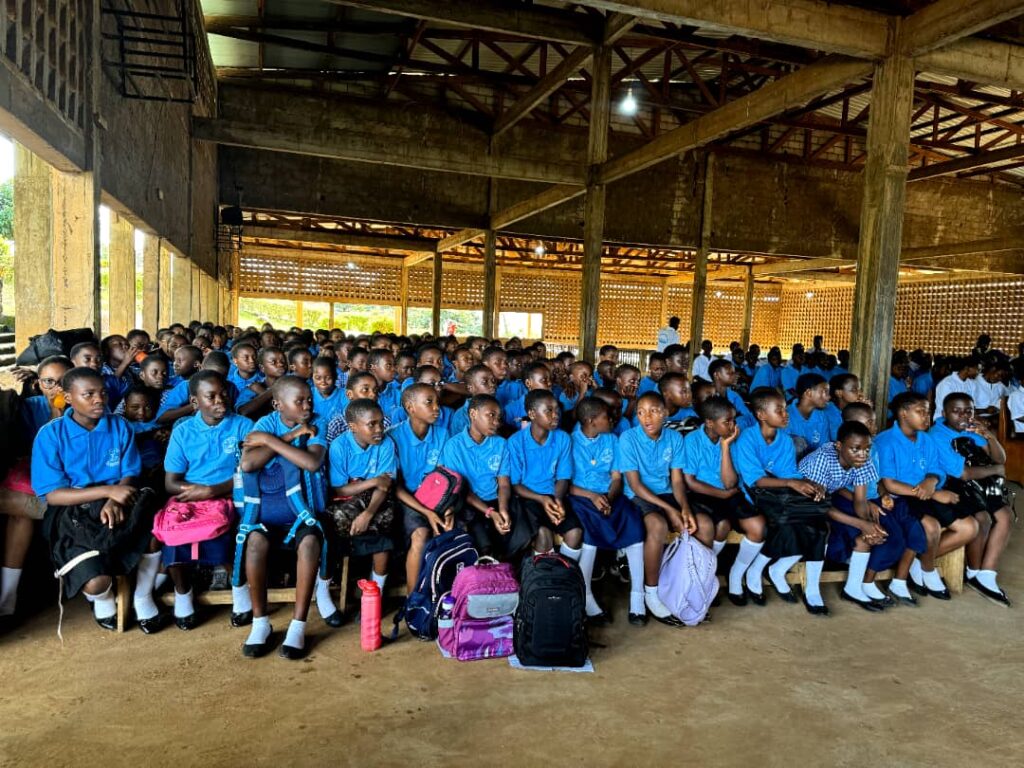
x: 244, y: 371
x: 202, y: 455
x: 381, y: 363
x: 985, y: 470
x: 272, y: 366
x: 793, y: 371
x: 651, y: 458
x: 770, y: 374
x: 843, y: 389
x: 85, y: 465
x: 579, y: 384
x: 765, y: 458
x: 627, y: 382
x: 723, y: 375
x: 681, y: 416
x: 913, y: 467
x: 656, y: 368
x: 808, y: 425
x: 713, y: 486
x: 174, y: 404
x: 540, y: 468
x: 609, y: 519
x: 328, y: 398
x: 536, y: 376
x: 361, y: 385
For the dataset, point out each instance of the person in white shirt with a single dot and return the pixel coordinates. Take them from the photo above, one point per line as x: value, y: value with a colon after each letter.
x: 668, y: 335
x: 703, y: 360
x: 1015, y: 404
x: 991, y: 387
x: 961, y: 380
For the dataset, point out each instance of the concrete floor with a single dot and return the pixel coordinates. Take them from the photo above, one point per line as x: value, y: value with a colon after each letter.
x: 940, y: 685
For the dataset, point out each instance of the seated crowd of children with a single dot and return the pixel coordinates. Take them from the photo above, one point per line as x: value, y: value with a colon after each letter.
x: 216, y: 448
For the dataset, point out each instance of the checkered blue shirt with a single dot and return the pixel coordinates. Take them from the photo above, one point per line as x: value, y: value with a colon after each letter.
x: 822, y: 466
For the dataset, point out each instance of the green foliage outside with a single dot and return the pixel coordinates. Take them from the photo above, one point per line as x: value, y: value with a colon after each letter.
x: 6, y: 254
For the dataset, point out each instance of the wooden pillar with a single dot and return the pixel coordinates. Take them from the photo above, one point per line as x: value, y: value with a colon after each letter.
x: 594, y: 202
x: 181, y: 289
x: 121, y: 276
x: 196, y: 307
x: 881, y: 227
x: 435, y: 295
x: 490, y: 316
x: 748, y: 308
x: 166, y: 286
x: 298, y: 313
x: 150, y: 282
x: 700, y: 264
x: 56, y: 262
x: 330, y: 316
x: 235, y: 285
x: 403, y: 301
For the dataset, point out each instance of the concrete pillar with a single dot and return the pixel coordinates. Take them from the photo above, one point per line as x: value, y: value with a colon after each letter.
x: 150, y: 282
x: 700, y: 264
x: 490, y: 314
x: 881, y: 228
x: 748, y: 308
x: 121, y: 275
x: 594, y: 203
x: 56, y: 259
x: 435, y: 295
x: 181, y: 289
x: 166, y: 286
x: 298, y: 314
x: 196, y: 307
x: 403, y: 302
x: 210, y: 299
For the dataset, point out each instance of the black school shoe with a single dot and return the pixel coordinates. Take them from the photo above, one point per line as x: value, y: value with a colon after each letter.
x: 999, y: 598
x: 638, y: 619
x: 738, y: 600
x: 670, y: 620
x: 335, y: 620
x: 920, y: 589
x: 243, y: 619
x: 153, y: 625
x: 187, y: 623
x: 109, y: 623
x: 256, y: 650
x: 792, y: 597
x: 868, y: 605
x: 757, y: 598
x: 910, y: 601
x: 292, y: 653
x: 599, y: 619
x: 814, y: 610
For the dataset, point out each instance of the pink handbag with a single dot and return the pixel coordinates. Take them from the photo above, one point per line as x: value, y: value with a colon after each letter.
x: 192, y: 522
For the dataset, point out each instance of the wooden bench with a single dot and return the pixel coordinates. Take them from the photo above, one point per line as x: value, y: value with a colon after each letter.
x: 1013, y: 444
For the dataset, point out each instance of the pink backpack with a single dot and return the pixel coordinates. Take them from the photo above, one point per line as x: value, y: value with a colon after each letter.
x: 192, y: 522
x: 687, y: 582
x: 440, y: 489
x: 476, y: 620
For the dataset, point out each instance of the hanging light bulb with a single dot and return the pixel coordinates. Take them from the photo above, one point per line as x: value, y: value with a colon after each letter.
x: 539, y: 249
x: 628, y: 104
x: 810, y: 294
x: 351, y: 265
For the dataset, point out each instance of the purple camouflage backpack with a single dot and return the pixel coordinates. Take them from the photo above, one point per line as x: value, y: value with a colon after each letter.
x: 687, y: 582
x: 482, y: 602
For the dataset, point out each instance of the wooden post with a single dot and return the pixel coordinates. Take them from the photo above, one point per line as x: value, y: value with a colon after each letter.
x: 435, y: 296
x: 166, y: 285
x: 121, y: 296
x: 881, y: 228
x: 298, y: 314
x: 196, y: 307
x: 497, y: 303
x: 330, y: 316
x: 748, y: 308
x: 594, y: 203
x: 236, y: 272
x: 150, y: 282
x: 700, y: 264
x: 490, y: 281
x: 403, y: 301
x: 181, y: 289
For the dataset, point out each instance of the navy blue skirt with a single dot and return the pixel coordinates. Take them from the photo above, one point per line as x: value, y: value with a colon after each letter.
x: 905, y: 532
x: 621, y: 528
x: 218, y: 551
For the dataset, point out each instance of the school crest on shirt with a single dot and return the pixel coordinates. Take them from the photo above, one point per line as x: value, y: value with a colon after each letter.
x: 921, y: 462
x: 228, y: 445
x: 433, y: 456
x: 606, y: 456
x: 113, y: 457
x: 494, y: 462
x: 666, y: 455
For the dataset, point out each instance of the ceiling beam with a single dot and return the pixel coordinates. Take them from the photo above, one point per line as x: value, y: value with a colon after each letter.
x: 217, y: 22
x: 990, y: 245
x: 978, y: 61
x: 946, y: 21
x: 341, y: 237
x: 967, y: 163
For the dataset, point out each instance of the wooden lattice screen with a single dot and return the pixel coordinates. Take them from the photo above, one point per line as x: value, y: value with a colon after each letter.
x: 630, y: 312
x: 291, y: 277
x: 805, y: 313
x: 462, y: 286
x: 554, y: 294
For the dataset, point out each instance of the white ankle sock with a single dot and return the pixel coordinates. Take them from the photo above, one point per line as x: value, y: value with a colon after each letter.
x: 183, y: 604
x: 971, y: 573
x: 777, y: 572
x: 324, y: 602
x: 812, y: 582
x: 755, y: 573
x: 932, y: 580
x: 296, y: 635
x: 9, y: 578
x: 572, y: 554
x: 588, y: 555
x: 748, y: 552
x: 145, y: 577
x: 899, y: 588
x: 916, y: 572
x: 636, y: 603
x: 241, y: 601
x: 855, y: 576
x: 379, y: 579
x: 987, y: 579
x: 871, y: 590
x: 717, y: 547
x: 104, y: 605
x: 260, y: 631
x: 159, y: 581
x: 635, y: 559
x: 654, y: 604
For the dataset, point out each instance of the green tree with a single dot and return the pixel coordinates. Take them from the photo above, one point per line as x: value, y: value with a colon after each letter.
x: 7, y: 210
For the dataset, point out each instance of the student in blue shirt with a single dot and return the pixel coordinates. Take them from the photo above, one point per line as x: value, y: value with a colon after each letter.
x: 418, y: 442
x: 118, y: 356
x: 479, y: 381
x: 244, y: 371
x: 266, y: 448
x: 361, y: 385
x: 405, y: 364
x: 986, y: 468
x: 609, y: 519
x: 175, y: 404
x: 150, y: 438
x: 272, y: 365
x: 429, y: 375
x: 540, y: 468
x: 713, y: 487
x: 536, y: 376
x: 300, y: 363
x: 656, y: 368
x: 843, y: 389
x: 328, y: 398
x: 85, y: 465
x: 723, y: 375
x: 199, y: 465
x: 808, y: 425
x: 613, y: 400
x: 626, y: 383
x: 481, y: 457
x: 362, y: 470
x: 792, y: 371
x: 769, y: 374
x: 507, y: 369
x: 913, y: 467
x: 381, y: 363
x: 579, y: 384
x: 681, y: 416
x: 765, y: 458
x: 651, y: 459
x: 899, y: 379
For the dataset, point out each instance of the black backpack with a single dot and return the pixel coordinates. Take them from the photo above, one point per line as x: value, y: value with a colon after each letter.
x: 549, y: 629
x: 53, y: 343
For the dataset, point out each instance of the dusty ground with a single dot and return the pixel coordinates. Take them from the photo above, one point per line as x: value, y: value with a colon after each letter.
x: 940, y: 685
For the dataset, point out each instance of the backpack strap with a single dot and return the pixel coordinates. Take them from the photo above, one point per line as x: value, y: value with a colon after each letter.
x: 301, y: 490
x: 246, y: 497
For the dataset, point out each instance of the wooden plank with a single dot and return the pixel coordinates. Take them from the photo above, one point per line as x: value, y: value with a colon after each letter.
x: 946, y: 21
x: 748, y: 308
x: 490, y: 283
x: 700, y: 262
x: 549, y: 198
x: 577, y: 59
x: 121, y: 276
x: 967, y: 163
x: 992, y: 245
x: 435, y: 294
x: 341, y: 237
x: 461, y: 237
x: 979, y: 61
x: 150, y: 282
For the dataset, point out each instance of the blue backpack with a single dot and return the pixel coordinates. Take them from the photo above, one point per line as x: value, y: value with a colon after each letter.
x: 443, y: 557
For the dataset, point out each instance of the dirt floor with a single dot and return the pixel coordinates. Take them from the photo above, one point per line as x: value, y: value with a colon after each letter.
x: 936, y: 686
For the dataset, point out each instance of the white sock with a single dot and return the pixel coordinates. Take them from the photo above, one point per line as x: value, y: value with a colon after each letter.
x: 572, y: 554
x: 755, y: 573
x: 812, y: 582
x: 777, y: 572
x: 916, y: 572
x: 855, y: 576
x: 987, y: 579
x: 241, y: 601
x: 260, y: 631
x: 145, y: 577
x: 971, y: 573
x: 104, y: 605
x: 379, y: 579
x: 183, y: 604
x: 898, y: 587
x: 636, y: 603
x: 933, y: 581
x: 296, y: 635
x: 871, y: 590
x: 635, y: 559
x: 748, y: 551
x: 654, y: 604
x: 9, y: 578
x: 324, y: 603
x: 717, y: 547
x: 587, y: 557
x: 161, y: 579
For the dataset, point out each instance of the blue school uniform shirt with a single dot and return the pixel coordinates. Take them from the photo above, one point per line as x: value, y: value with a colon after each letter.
x: 176, y: 397
x: 66, y: 455
x: 896, y: 387
x: 479, y: 463
x: 653, y: 459
x: 753, y: 458
x: 539, y: 466
x: 417, y: 457
x: 205, y: 454
x: 514, y: 412
x: 702, y: 458
x: 35, y: 414
x: 767, y: 376
x: 459, y: 421
x: 647, y: 384
x: 235, y: 377
x: 834, y: 419
x: 945, y: 435
x: 566, y: 403
x: 116, y: 386
x: 350, y: 461
x: 151, y: 451
x: 593, y: 460
x: 508, y: 390
x: 273, y: 424
x: 332, y: 405
x: 813, y: 429
x: 743, y: 415
x: 680, y: 415
x: 923, y: 384
x: 910, y: 461
x: 390, y: 400
x: 789, y: 375
x: 822, y: 466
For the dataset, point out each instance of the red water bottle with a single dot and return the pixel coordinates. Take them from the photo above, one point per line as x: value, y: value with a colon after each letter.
x: 369, y: 622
